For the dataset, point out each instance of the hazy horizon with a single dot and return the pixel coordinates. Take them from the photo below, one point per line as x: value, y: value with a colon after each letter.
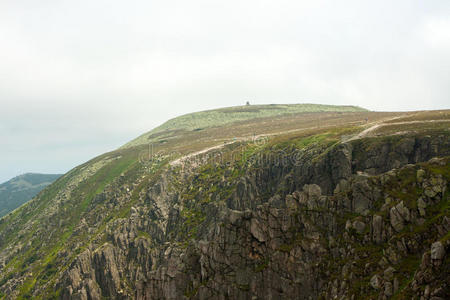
x: 78, y: 79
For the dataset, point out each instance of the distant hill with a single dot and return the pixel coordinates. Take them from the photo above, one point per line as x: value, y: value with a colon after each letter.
x: 20, y: 189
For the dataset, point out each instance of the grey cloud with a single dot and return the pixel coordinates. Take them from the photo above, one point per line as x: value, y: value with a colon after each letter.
x: 78, y: 78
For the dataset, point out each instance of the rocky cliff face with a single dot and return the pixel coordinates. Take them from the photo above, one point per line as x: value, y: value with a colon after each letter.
x: 355, y: 220
x: 302, y: 215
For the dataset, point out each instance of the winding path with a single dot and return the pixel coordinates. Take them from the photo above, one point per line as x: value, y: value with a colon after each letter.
x: 362, y: 134
x: 377, y: 125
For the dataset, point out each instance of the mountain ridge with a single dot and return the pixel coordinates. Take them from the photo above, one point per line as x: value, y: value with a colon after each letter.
x: 212, y: 118
x: 277, y: 211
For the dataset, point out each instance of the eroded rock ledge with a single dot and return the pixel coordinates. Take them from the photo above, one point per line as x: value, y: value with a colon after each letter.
x: 363, y: 220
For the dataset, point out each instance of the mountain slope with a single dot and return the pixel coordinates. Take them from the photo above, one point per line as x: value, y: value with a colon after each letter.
x: 20, y: 189
x: 274, y: 207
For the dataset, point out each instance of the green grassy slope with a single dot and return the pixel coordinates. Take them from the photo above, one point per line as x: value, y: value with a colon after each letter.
x: 224, y: 116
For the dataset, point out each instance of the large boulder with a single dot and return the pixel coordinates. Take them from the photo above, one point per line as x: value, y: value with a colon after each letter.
x: 399, y: 215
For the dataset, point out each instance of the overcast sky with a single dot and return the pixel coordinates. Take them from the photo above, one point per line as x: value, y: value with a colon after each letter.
x: 79, y: 78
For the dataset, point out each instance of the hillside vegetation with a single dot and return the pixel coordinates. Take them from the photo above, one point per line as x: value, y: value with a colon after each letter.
x: 298, y: 205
